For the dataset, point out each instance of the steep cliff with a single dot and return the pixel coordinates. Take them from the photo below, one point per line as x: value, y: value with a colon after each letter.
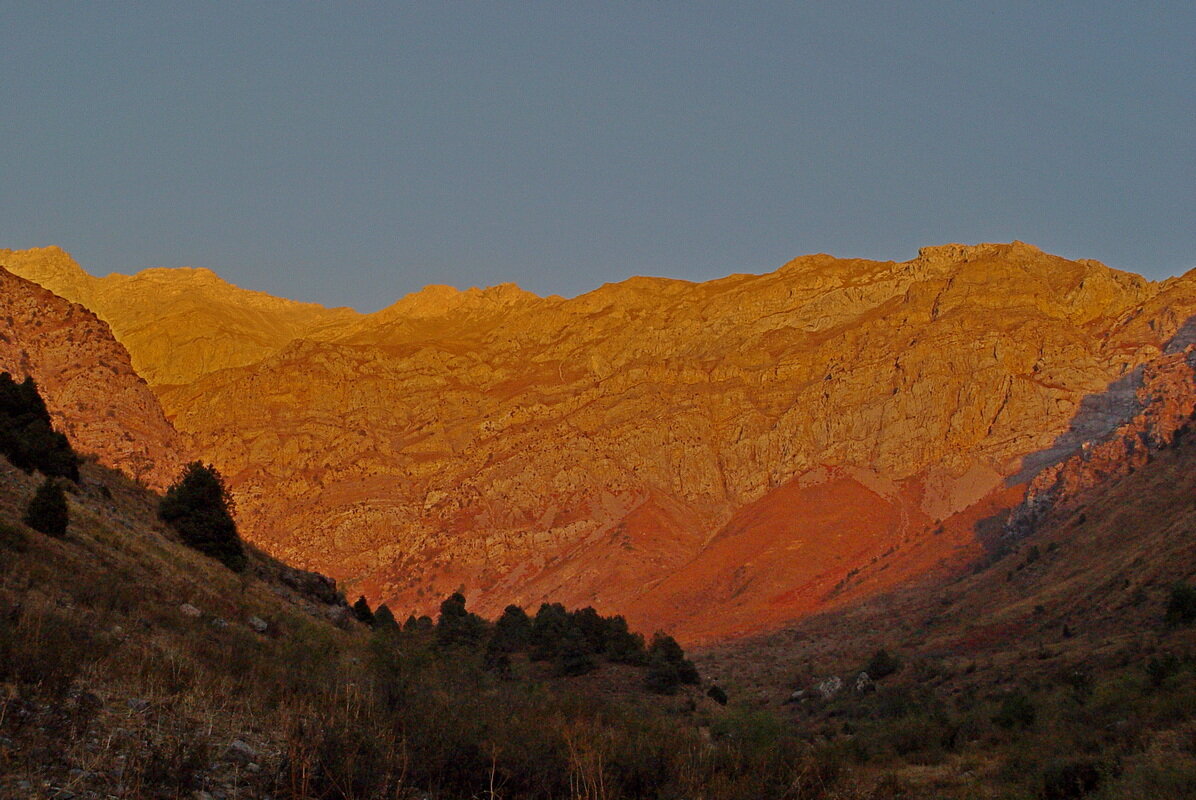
x: 713, y: 457
x: 87, y: 381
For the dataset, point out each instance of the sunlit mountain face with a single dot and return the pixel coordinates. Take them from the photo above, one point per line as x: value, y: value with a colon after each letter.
x: 713, y: 459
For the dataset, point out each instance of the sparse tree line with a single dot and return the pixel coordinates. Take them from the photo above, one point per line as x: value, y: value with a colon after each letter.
x: 573, y: 642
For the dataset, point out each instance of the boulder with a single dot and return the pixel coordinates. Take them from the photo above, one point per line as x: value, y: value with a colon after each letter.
x: 829, y: 687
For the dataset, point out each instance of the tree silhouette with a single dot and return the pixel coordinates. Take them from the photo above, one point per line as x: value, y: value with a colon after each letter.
x: 200, y: 508
x: 27, y: 437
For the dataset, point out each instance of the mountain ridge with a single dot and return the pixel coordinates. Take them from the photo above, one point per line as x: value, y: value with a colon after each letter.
x: 491, y: 446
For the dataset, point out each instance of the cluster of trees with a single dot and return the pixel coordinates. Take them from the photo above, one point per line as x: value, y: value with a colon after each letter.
x: 27, y: 437
x: 574, y: 642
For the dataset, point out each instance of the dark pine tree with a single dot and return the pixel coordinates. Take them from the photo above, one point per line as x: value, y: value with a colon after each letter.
x: 623, y: 646
x: 548, y: 630
x: 47, y: 511
x: 457, y: 626
x: 667, y: 666
x: 512, y: 631
x: 361, y: 610
x: 384, y: 619
x: 200, y: 508
x: 573, y: 655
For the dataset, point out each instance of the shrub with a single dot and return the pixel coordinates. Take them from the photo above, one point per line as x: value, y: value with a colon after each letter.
x: 1181, y: 607
x: 47, y: 511
x: 1160, y: 668
x: 384, y: 619
x: 882, y: 665
x: 548, y: 630
x: 12, y: 539
x: 717, y: 695
x: 667, y: 666
x: 199, y: 508
x: 623, y: 646
x: 1016, y: 711
x: 573, y: 655
x: 1064, y: 780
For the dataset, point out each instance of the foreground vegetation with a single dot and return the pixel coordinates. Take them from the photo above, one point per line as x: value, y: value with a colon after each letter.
x: 146, y: 652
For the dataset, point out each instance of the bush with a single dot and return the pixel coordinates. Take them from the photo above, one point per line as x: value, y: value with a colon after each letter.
x: 623, y: 646
x: 512, y: 631
x: 717, y: 695
x: 199, y: 508
x: 548, y: 630
x: 574, y: 656
x: 882, y: 665
x: 47, y: 511
x: 1181, y: 607
x: 1017, y: 711
x: 384, y: 619
x: 12, y: 539
x: 667, y: 666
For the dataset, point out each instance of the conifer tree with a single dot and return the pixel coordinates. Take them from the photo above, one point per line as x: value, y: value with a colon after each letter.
x: 457, y: 626
x: 573, y: 656
x: 667, y: 666
x: 361, y: 610
x: 384, y: 618
x: 200, y: 508
x: 512, y: 631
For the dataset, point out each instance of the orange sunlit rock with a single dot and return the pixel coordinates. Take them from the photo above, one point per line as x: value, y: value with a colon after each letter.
x: 712, y: 458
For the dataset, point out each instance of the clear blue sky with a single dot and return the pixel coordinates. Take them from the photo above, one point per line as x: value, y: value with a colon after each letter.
x: 351, y: 152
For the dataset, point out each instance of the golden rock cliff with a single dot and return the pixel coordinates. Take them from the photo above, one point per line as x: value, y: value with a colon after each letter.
x: 87, y: 381
x: 713, y: 458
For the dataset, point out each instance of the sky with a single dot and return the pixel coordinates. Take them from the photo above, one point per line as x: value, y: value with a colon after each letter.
x: 351, y: 152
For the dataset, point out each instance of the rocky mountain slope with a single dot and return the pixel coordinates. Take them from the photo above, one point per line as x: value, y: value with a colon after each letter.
x: 89, y: 386
x: 712, y: 458
x: 178, y: 324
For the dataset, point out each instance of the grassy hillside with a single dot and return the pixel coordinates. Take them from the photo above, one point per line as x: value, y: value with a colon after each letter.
x: 134, y: 667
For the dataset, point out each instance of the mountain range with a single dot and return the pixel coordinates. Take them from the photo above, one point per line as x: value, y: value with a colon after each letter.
x: 715, y: 459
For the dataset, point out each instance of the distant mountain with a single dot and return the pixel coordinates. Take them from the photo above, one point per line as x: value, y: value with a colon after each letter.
x: 714, y: 458
x: 178, y: 324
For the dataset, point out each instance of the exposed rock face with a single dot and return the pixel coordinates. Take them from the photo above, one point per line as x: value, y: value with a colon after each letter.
x: 85, y: 377
x: 1164, y: 405
x: 712, y: 458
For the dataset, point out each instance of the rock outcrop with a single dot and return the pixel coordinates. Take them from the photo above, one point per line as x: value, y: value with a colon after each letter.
x: 712, y: 458
x: 90, y: 388
x: 1163, y: 401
